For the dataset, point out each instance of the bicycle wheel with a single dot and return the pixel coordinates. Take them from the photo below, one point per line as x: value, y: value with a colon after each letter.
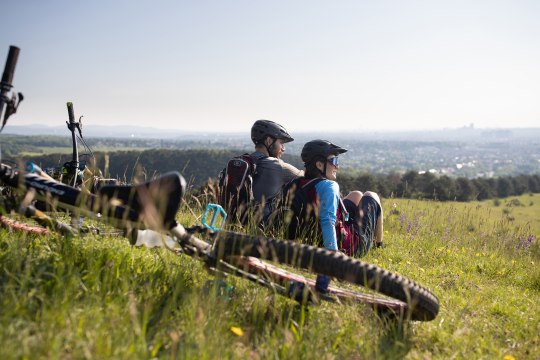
x: 418, y: 302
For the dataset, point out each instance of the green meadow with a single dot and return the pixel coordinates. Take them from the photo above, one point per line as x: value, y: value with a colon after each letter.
x: 99, y: 298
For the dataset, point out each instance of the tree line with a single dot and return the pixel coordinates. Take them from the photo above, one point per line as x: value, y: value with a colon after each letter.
x: 413, y: 185
x: 198, y: 166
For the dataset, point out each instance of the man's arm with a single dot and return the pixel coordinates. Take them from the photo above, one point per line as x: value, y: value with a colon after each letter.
x: 289, y: 171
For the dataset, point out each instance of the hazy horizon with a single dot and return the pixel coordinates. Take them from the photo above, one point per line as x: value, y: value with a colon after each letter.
x: 124, y: 131
x: 12, y: 123
x: 216, y: 66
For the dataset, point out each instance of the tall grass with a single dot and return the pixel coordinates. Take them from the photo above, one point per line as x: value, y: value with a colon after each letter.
x: 100, y: 298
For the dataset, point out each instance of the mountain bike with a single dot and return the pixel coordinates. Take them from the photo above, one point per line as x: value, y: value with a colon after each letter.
x: 270, y: 262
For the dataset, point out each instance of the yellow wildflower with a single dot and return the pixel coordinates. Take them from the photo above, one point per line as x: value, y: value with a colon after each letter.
x: 237, y: 331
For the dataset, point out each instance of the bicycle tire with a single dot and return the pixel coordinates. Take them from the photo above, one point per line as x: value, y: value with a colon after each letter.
x: 272, y: 274
x: 17, y: 225
x: 421, y: 303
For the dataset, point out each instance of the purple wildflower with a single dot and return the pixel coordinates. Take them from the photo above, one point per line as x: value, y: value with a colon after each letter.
x: 525, y: 244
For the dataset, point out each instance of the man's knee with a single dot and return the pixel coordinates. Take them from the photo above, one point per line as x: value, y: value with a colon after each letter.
x: 373, y: 195
x: 354, y: 196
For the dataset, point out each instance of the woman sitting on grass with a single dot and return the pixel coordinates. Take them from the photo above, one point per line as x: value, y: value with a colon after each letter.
x: 351, y: 225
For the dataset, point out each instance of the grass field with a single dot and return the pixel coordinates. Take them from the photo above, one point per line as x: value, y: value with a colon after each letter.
x: 100, y: 298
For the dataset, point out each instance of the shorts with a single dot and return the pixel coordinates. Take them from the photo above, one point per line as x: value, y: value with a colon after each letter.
x: 356, y: 237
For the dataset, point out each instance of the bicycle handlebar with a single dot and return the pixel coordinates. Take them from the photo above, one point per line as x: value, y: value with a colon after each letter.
x: 9, y: 69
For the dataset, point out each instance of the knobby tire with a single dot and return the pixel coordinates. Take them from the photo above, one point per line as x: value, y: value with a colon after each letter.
x: 421, y: 304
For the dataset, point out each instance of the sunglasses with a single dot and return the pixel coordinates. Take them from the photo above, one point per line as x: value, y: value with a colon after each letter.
x: 334, y: 161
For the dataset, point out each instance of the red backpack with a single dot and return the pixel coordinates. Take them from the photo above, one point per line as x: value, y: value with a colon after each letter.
x: 235, y: 186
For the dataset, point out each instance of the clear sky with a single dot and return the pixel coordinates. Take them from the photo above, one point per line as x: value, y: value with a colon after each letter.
x: 307, y: 64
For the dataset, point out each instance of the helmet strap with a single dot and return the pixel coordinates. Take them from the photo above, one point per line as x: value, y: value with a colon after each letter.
x: 268, y: 147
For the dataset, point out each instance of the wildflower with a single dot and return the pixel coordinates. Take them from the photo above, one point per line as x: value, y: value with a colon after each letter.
x: 237, y: 331
x: 525, y: 244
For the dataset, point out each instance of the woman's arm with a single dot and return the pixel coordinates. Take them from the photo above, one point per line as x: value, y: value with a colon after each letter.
x: 328, y: 192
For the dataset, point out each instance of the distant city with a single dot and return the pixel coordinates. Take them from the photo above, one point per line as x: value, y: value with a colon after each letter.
x: 465, y: 152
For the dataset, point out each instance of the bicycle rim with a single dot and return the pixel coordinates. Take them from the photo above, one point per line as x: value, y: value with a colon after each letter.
x: 421, y: 304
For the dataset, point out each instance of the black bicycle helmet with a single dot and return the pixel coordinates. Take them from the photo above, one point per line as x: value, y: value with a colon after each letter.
x: 264, y: 128
x: 316, y: 149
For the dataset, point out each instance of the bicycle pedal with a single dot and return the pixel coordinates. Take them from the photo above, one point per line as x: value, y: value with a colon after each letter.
x: 220, y: 288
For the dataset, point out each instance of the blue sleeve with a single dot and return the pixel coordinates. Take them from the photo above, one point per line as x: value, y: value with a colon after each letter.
x: 328, y: 192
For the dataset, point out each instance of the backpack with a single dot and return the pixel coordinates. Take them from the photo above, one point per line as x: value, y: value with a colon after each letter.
x: 300, y: 208
x: 235, y: 186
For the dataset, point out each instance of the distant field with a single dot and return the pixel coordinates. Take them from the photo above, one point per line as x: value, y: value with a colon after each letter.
x: 523, y: 211
x: 518, y: 212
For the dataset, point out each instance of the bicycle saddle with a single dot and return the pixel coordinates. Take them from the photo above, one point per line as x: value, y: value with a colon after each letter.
x: 159, y: 199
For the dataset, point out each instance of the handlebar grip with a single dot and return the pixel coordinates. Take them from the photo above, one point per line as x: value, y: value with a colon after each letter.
x: 11, y: 61
x: 71, y: 112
